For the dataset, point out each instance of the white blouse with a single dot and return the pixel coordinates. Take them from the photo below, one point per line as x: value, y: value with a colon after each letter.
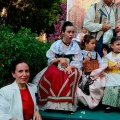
x: 112, y: 76
x: 58, y: 48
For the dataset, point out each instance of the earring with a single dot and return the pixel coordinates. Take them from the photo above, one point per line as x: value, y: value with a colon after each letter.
x: 14, y: 76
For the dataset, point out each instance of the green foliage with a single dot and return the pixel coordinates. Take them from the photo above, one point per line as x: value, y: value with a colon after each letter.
x: 35, y: 14
x: 20, y: 45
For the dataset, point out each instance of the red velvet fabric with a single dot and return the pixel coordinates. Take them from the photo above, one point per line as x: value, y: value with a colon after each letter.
x: 27, y: 103
x: 56, y: 86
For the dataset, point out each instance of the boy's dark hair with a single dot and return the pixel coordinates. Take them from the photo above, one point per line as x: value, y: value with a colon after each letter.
x: 67, y: 23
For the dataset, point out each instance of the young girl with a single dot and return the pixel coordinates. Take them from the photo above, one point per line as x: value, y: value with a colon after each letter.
x: 90, y: 87
x: 57, y: 86
x: 112, y: 91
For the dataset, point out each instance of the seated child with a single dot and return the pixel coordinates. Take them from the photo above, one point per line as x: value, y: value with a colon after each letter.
x: 111, y: 96
x: 91, y: 85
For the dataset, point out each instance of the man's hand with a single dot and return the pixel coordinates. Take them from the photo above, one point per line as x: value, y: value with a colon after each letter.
x: 105, y: 27
x: 117, y: 28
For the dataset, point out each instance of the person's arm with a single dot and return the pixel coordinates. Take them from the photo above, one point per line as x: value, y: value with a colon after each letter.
x: 103, y: 63
x: 75, y: 63
x: 89, y: 19
x: 87, y: 58
x: 4, y: 107
x: 118, y: 17
x: 51, y: 56
x: 117, y: 29
x: 51, y: 53
x: 77, y: 60
x: 104, y: 58
x: 37, y: 116
x: 52, y: 59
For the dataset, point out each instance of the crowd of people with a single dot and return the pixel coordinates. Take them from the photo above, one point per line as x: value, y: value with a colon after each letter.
x: 66, y: 82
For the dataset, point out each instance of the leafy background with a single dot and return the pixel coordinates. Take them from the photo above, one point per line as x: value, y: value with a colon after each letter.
x: 20, y: 45
x: 37, y: 15
x: 25, y: 20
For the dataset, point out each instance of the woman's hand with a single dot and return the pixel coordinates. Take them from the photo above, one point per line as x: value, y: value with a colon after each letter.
x: 37, y: 116
x: 68, y: 70
x: 63, y: 62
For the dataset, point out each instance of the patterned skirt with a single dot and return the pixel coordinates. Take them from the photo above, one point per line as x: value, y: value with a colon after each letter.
x: 112, y: 96
x: 57, y: 90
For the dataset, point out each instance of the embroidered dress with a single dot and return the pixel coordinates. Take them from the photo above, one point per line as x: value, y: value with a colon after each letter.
x: 57, y: 90
x: 112, y: 90
x: 96, y: 87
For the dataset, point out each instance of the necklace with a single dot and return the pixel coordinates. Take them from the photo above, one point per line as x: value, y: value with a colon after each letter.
x: 116, y: 52
x: 66, y: 43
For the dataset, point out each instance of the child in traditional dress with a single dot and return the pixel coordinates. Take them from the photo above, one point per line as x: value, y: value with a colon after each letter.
x: 90, y: 87
x: 57, y: 86
x: 112, y: 91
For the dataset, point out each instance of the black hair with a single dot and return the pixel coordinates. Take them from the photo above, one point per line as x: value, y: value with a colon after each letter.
x: 115, y: 38
x: 86, y: 39
x: 67, y: 23
x: 16, y: 62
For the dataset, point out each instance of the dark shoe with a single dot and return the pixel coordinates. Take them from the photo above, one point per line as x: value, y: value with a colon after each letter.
x: 116, y: 109
x: 108, y: 110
